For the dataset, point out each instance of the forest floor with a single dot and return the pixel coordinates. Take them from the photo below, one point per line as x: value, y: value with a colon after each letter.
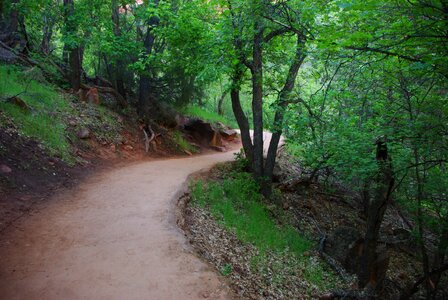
x: 113, y: 236
x: 316, y: 211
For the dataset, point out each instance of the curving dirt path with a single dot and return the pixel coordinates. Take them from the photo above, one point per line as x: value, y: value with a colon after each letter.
x: 114, y: 237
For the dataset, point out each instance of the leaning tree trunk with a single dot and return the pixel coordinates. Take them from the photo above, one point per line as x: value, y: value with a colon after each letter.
x: 240, y: 116
x: 371, y: 267
x: 284, y: 98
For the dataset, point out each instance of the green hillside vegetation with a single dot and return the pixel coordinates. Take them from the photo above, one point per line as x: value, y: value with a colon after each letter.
x: 46, y: 108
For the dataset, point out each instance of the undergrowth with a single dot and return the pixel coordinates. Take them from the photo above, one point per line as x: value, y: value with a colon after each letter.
x: 203, y: 114
x: 42, y: 121
x: 182, y: 143
x: 236, y: 203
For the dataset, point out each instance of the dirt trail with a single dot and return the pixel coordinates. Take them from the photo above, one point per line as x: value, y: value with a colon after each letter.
x: 113, y: 237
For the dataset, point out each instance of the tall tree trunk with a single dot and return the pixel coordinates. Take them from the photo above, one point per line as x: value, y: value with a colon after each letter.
x: 146, y: 95
x: 221, y: 102
x: 47, y: 35
x: 257, y: 99
x: 75, y: 68
x: 284, y: 98
x: 420, y: 226
x: 12, y: 28
x: 369, y: 268
x: 73, y: 49
x: 119, y: 65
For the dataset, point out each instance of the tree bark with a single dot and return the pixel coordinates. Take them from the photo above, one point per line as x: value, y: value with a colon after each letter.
x: 72, y: 48
x: 146, y: 98
x: 384, y: 184
x: 240, y: 116
x: 221, y: 102
x: 284, y: 98
x: 119, y: 65
x: 47, y: 35
x: 257, y: 100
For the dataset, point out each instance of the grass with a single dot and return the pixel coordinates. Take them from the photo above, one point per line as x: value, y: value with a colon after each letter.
x: 237, y: 205
x: 42, y: 122
x: 182, y: 143
x: 201, y: 113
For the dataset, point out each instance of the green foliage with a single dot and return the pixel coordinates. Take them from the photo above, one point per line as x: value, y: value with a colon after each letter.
x: 236, y: 203
x: 210, y: 116
x: 43, y: 121
x: 182, y: 143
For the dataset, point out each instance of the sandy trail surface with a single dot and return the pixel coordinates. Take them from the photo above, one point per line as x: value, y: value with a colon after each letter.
x: 113, y: 237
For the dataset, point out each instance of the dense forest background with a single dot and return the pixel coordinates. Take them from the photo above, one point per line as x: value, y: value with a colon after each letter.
x: 358, y: 89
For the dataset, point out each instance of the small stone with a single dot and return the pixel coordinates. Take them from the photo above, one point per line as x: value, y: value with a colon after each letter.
x: 83, y: 133
x: 5, y: 169
x: 128, y: 148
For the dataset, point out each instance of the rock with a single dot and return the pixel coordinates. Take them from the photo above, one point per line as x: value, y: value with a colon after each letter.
x: 128, y: 148
x: 5, y: 169
x: 7, y: 56
x: 228, y: 134
x: 344, y: 245
x: 92, y: 96
x: 83, y: 133
x: 216, y: 140
x: 203, y: 132
x: 72, y: 123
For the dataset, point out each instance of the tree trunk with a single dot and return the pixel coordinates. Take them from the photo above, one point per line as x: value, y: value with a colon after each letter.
x: 420, y: 226
x: 284, y: 98
x: 240, y: 116
x: 257, y: 100
x: 369, y: 269
x: 47, y: 35
x: 119, y: 65
x: 12, y: 28
x: 75, y: 68
x: 146, y: 97
x: 71, y: 48
x: 187, y: 89
x: 221, y: 102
